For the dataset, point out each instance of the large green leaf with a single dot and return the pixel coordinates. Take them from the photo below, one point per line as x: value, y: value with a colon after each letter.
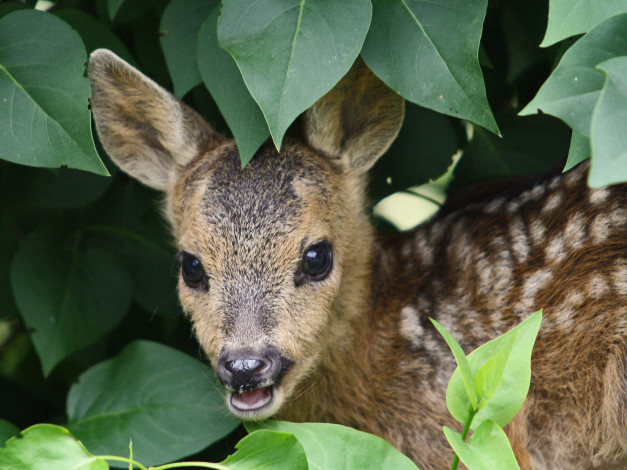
x: 69, y: 296
x: 223, y: 79
x: 180, y: 24
x: 291, y: 52
x: 7, y: 430
x: 502, y: 371
x: 570, y: 17
x: 269, y: 450
x: 428, y: 52
x: 573, y: 88
x: 44, y: 120
x: 335, y: 447
x: 608, y: 136
x: 487, y: 448
x: 162, y: 399
x: 49, y: 447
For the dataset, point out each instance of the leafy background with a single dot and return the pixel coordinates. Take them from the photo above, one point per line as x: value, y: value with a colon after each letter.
x: 88, y: 310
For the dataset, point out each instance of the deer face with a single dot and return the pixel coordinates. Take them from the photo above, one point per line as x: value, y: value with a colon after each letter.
x: 261, y: 262
x: 266, y: 251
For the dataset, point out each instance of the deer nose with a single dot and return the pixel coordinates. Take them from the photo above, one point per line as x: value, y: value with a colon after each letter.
x: 245, y: 369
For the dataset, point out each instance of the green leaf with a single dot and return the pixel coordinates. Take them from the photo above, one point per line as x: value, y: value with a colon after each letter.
x: 95, y: 33
x: 292, y: 52
x: 415, y: 157
x: 7, y: 430
x: 578, y: 152
x: 113, y: 6
x: 530, y: 145
x: 490, y: 375
x: 165, y: 401
x: 270, y: 450
x: 569, y: 18
x: 50, y: 447
x: 509, y: 388
x: 222, y: 77
x: 428, y: 52
x: 44, y: 120
x: 180, y: 24
x: 608, y: 136
x: 573, y: 88
x: 69, y: 296
x: 487, y: 449
x: 335, y: 447
x: 462, y: 363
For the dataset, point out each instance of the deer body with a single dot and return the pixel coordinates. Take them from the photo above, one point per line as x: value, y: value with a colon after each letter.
x: 307, y: 315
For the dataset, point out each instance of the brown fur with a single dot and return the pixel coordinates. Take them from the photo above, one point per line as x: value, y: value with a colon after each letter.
x: 362, y: 349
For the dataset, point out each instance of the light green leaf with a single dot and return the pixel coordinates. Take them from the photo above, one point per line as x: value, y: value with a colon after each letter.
x: 222, y: 77
x: 180, y: 24
x: 462, y: 363
x: 68, y: 295
x: 573, y: 88
x: 44, y: 120
x: 292, y: 52
x: 570, y: 17
x: 270, y: 450
x: 49, y: 447
x: 490, y: 375
x: 509, y: 393
x: 165, y: 401
x: 335, y: 447
x: 428, y: 52
x: 7, y: 430
x: 608, y: 136
x: 487, y: 449
x: 578, y: 152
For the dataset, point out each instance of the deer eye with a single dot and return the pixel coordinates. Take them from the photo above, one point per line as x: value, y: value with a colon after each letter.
x: 193, y: 272
x: 316, y: 263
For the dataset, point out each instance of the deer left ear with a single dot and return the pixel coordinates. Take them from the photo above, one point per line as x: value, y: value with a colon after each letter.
x: 357, y: 120
x: 145, y: 130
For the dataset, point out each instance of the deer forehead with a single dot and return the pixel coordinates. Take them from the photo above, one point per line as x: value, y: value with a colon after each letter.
x: 275, y: 205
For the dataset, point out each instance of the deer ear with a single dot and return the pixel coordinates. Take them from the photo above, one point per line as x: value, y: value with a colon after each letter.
x: 357, y: 120
x: 145, y: 130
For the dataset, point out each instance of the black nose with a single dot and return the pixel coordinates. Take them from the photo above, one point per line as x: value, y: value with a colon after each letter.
x: 247, y: 369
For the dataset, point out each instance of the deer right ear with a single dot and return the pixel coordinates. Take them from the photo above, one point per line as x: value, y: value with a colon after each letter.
x: 357, y: 120
x: 145, y: 130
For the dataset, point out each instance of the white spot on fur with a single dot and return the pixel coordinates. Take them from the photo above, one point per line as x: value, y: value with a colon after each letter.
x: 575, y: 232
x: 620, y: 278
x: 425, y: 250
x: 494, y: 205
x: 597, y: 286
x: 555, y: 182
x: 597, y: 196
x: 555, y: 250
x: 537, y: 231
x: 530, y: 289
x: 552, y: 202
x: 520, y: 246
x: 600, y: 228
x: 513, y: 206
x: 410, y: 326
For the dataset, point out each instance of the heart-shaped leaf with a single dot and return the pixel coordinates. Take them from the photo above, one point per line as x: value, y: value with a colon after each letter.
x: 579, y: 150
x: 569, y: 18
x: 572, y: 89
x: 430, y: 56
x: 44, y: 120
x: 269, y: 450
x: 291, y: 52
x: 179, y: 27
x: 165, y: 401
x: 49, y: 447
x: 223, y: 80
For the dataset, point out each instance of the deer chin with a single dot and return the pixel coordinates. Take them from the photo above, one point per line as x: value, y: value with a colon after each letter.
x: 257, y: 404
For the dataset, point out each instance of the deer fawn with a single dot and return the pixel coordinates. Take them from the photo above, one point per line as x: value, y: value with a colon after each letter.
x: 306, y: 314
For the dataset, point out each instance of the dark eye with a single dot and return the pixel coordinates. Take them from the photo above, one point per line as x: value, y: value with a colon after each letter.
x: 193, y: 272
x: 316, y: 263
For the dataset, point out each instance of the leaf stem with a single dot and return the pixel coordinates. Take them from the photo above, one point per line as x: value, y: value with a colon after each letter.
x: 216, y: 466
x: 122, y: 459
x: 471, y: 414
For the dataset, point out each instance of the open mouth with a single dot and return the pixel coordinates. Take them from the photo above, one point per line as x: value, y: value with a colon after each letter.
x: 252, y: 400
